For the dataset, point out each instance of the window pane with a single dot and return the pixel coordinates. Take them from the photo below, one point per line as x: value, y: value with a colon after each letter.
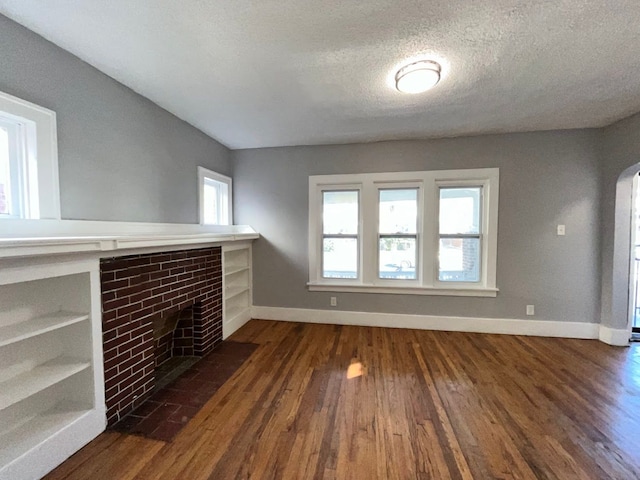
x: 459, y: 260
x: 398, y: 211
x: 215, y: 202
x: 397, y: 258
x: 460, y: 210
x: 340, y: 258
x: 340, y: 212
x: 211, y: 207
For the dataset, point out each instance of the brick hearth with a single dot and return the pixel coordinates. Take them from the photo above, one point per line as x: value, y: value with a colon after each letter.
x: 137, y: 288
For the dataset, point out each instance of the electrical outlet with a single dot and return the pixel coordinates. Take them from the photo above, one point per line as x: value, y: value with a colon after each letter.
x: 334, y: 301
x: 531, y: 310
x: 561, y: 230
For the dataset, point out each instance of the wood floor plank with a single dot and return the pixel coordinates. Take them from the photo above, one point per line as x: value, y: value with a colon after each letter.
x: 346, y: 402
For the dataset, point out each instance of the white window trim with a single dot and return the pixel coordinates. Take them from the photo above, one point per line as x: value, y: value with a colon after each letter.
x: 428, y: 183
x: 42, y: 154
x: 204, y: 173
x: 342, y: 187
x: 373, y: 229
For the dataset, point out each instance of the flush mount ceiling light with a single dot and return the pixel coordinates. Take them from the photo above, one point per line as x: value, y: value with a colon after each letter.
x: 418, y: 77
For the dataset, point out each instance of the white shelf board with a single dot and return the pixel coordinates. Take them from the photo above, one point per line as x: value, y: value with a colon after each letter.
x: 231, y: 269
x: 231, y: 292
x: 21, y: 331
x: 43, y: 376
x: 232, y: 313
x: 39, y: 428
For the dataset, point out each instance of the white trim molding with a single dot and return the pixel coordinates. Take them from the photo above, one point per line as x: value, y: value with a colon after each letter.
x: 618, y: 337
x: 539, y: 328
x: 23, y: 238
x: 427, y: 237
x: 224, y: 202
x: 40, y: 185
x: 405, y: 290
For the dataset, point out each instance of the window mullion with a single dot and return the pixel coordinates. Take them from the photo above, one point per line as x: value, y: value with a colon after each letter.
x: 420, y: 233
x: 369, y: 231
x: 489, y: 231
x: 339, y: 235
x: 397, y: 235
x: 429, y: 244
x: 460, y: 235
x: 16, y: 169
x: 321, y: 227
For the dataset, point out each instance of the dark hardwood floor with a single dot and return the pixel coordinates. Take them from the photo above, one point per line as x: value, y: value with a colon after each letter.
x: 320, y: 401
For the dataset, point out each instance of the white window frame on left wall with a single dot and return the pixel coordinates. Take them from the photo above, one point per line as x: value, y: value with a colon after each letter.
x: 205, y: 175
x: 39, y: 187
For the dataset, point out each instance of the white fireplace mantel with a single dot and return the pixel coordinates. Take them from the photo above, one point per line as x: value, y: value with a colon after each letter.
x: 52, y: 391
x: 28, y: 238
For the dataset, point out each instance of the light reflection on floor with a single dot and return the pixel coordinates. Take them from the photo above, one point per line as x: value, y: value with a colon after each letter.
x: 356, y: 369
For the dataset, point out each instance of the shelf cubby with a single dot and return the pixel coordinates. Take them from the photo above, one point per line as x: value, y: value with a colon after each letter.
x: 231, y: 269
x: 237, y: 288
x: 231, y: 292
x: 25, y: 329
x: 36, y: 429
x: 49, y: 372
x: 39, y: 378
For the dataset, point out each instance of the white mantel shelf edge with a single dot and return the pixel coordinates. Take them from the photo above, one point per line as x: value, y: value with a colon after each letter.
x: 26, y: 239
x: 27, y: 247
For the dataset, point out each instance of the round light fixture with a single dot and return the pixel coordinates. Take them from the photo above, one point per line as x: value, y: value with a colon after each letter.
x: 418, y: 77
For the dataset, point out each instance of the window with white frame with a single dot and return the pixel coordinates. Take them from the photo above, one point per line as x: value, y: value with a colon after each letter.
x: 215, y: 198
x: 28, y: 161
x: 459, y: 233
x: 340, y: 233
x: 397, y: 233
x: 430, y: 233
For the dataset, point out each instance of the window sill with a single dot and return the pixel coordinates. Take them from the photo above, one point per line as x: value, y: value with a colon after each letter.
x: 404, y: 290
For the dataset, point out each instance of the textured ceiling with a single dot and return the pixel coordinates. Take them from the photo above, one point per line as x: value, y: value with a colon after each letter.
x: 260, y: 73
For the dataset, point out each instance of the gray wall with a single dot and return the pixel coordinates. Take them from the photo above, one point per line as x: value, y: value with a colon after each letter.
x: 121, y: 157
x: 546, y: 178
x: 620, y: 155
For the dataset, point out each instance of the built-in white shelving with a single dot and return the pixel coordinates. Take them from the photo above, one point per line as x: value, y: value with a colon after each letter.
x: 51, y: 381
x: 36, y: 430
x: 37, y: 379
x: 231, y: 269
x: 235, y: 291
x: 52, y: 399
x: 237, y: 299
x: 30, y: 328
x: 234, y: 312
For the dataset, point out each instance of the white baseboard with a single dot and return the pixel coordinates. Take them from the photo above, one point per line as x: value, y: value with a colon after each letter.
x: 614, y: 336
x: 541, y: 328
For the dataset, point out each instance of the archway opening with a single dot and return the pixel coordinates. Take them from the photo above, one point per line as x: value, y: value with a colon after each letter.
x: 634, y: 267
x: 617, y: 280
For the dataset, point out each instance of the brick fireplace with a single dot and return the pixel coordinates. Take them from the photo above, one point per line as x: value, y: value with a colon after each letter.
x: 138, y: 290
x: 172, y: 335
